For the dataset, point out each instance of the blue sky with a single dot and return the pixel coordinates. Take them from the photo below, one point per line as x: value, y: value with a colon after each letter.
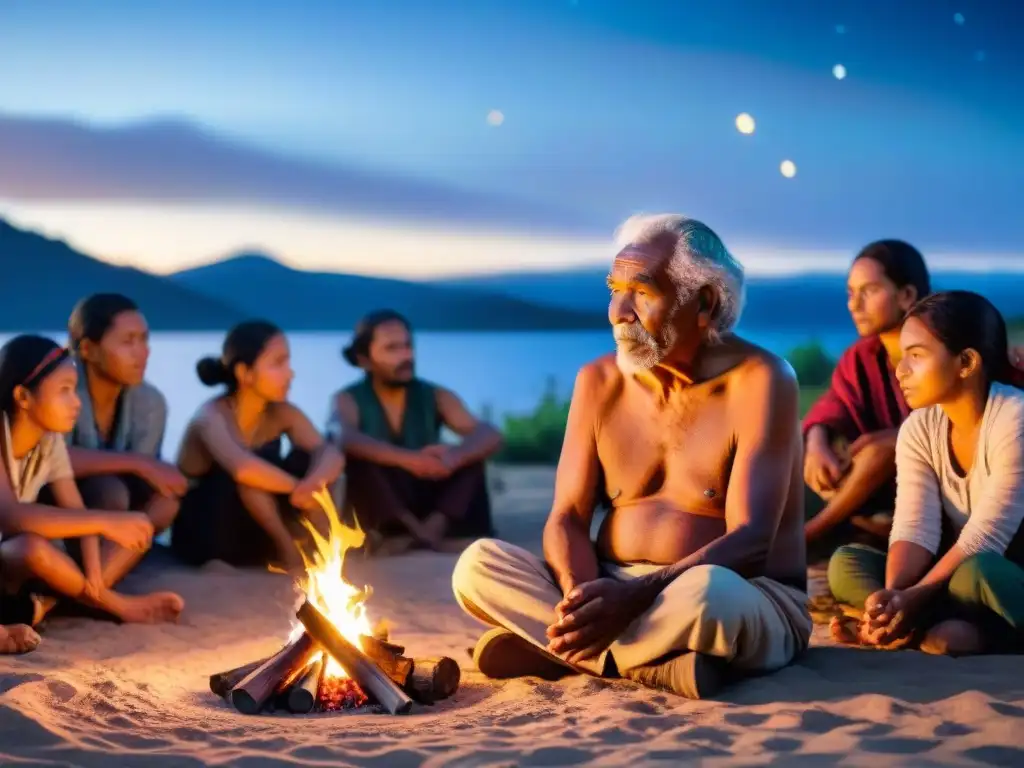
x: 609, y: 106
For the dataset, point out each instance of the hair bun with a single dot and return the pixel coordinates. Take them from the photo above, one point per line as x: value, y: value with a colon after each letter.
x: 349, y: 353
x: 211, y: 371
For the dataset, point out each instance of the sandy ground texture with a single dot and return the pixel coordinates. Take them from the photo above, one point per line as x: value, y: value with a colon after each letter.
x: 96, y: 694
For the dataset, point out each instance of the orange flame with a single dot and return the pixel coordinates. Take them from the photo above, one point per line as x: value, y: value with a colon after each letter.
x: 325, y: 586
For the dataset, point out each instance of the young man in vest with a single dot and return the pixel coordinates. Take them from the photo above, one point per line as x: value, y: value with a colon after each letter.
x: 403, y: 483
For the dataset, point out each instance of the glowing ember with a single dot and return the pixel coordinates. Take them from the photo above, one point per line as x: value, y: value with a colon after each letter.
x: 326, y: 588
x: 339, y: 693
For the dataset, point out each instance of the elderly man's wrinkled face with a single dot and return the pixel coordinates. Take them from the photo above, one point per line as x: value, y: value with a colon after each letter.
x: 645, y: 311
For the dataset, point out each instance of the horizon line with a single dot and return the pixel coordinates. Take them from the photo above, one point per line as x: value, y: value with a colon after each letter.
x: 180, y: 236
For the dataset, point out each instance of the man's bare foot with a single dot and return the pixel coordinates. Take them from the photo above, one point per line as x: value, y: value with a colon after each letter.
x: 154, y: 608
x: 953, y: 637
x: 18, y: 638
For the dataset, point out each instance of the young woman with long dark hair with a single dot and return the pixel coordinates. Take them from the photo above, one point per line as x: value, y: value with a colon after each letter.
x: 850, y: 432
x: 39, y: 405
x: 115, y: 445
x: 246, y: 498
x: 953, y: 579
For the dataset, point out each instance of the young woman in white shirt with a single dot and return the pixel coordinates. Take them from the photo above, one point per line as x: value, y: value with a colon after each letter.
x: 953, y: 579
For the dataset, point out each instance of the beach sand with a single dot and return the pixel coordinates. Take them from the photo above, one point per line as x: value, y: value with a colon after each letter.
x: 97, y: 694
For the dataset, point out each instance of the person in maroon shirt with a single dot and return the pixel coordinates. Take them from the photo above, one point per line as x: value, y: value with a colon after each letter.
x: 850, y: 432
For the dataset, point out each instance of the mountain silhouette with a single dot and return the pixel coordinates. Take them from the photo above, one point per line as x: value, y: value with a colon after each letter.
x: 173, y: 160
x: 42, y: 279
x: 314, y: 301
x: 793, y: 302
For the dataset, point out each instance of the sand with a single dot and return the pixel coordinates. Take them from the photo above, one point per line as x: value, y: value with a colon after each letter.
x: 96, y: 694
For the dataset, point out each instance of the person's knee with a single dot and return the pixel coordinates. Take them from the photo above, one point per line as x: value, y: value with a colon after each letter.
x: 29, y: 552
x: 106, y: 492
x: 162, y: 513
x: 712, y: 592
x: 473, y: 565
x: 973, y: 576
x: 843, y: 566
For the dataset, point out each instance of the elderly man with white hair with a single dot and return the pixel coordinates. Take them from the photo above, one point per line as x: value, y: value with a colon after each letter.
x: 691, y: 435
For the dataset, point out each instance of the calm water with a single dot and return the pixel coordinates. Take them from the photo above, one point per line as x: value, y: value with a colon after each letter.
x: 507, y: 371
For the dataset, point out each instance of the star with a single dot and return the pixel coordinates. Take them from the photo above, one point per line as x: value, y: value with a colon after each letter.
x: 495, y: 117
x: 958, y: 19
x: 745, y: 123
x: 787, y: 168
x: 839, y: 71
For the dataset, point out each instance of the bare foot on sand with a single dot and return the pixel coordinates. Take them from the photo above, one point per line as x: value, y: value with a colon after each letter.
x: 953, y: 637
x: 18, y: 638
x: 154, y: 608
x: 844, y: 630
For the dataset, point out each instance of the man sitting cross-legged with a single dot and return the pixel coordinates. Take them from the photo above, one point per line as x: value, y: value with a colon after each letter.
x: 699, y: 568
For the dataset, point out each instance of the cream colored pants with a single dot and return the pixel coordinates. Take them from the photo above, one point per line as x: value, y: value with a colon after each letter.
x: 758, y: 625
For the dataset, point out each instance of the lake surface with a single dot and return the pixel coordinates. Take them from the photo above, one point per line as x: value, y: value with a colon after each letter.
x: 507, y: 372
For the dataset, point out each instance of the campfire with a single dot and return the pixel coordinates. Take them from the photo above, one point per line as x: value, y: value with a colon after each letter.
x: 335, y: 659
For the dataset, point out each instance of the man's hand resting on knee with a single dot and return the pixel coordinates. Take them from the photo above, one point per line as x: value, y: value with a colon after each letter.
x: 592, y: 616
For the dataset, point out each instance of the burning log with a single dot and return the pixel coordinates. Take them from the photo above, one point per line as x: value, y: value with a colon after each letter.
x: 371, y: 678
x: 301, y: 697
x: 389, y: 658
x: 425, y: 680
x: 275, y: 674
x: 377, y: 647
x: 221, y: 683
x: 433, y: 679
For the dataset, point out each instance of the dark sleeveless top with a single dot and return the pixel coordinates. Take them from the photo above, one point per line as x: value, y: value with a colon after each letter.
x: 421, y: 422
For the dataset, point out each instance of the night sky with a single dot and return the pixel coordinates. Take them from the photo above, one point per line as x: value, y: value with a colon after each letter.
x: 606, y: 106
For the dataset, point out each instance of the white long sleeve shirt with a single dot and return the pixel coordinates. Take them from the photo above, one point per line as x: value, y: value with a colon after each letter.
x: 986, y: 506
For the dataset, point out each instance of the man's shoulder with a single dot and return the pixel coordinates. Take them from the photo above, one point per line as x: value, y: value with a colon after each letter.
x: 599, y: 375
x: 760, y: 368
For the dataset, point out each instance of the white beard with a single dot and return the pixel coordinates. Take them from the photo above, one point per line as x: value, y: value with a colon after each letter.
x: 632, y: 357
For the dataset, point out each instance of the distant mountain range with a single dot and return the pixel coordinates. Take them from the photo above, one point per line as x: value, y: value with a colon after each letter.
x: 313, y: 301
x: 778, y: 303
x: 177, y: 161
x: 41, y: 279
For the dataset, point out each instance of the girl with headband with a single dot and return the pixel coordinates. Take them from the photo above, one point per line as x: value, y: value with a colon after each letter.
x: 39, y: 405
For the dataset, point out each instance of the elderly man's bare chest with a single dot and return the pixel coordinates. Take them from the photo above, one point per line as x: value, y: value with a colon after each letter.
x: 682, y: 448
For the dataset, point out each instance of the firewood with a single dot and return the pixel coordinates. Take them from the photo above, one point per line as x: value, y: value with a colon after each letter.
x: 388, y: 657
x: 433, y: 679
x: 375, y: 647
x: 221, y: 683
x: 360, y: 667
x: 302, y: 694
x: 276, y: 673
